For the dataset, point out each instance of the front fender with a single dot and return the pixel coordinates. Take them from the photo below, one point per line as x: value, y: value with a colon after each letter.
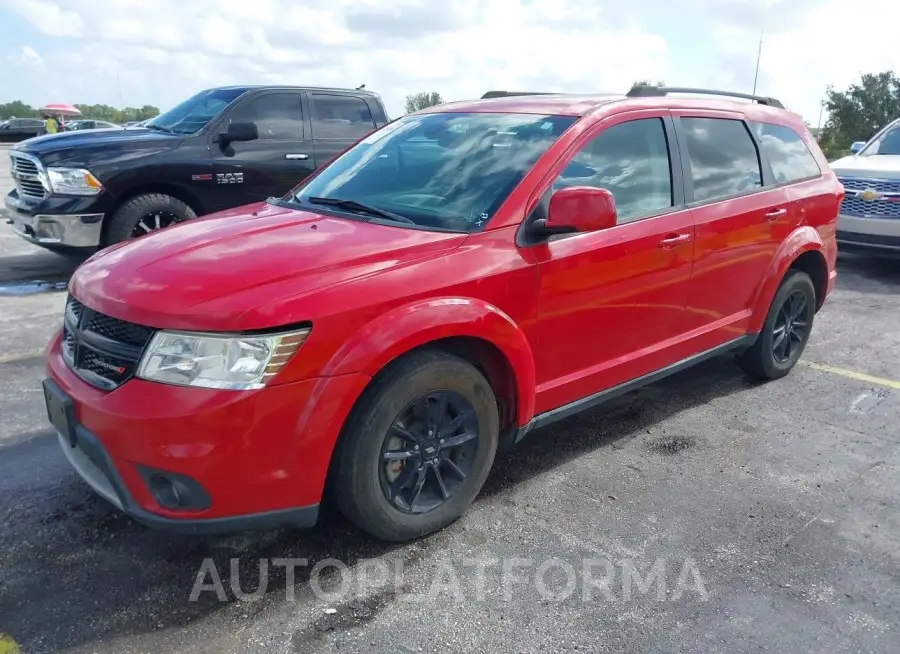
x: 801, y: 240
x: 410, y: 326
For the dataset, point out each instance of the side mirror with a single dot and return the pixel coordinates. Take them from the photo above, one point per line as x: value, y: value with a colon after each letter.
x: 578, y: 209
x: 857, y: 146
x: 239, y: 132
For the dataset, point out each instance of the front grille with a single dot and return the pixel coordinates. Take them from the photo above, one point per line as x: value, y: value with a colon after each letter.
x: 102, y: 350
x: 879, y: 208
x: 27, y: 176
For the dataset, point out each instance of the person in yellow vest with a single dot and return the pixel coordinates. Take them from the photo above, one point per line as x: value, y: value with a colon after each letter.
x: 51, y: 125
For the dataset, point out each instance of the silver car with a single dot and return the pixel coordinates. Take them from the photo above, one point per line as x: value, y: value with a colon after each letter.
x: 869, y: 221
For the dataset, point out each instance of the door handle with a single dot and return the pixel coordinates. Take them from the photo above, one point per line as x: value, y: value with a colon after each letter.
x: 775, y: 214
x: 298, y: 156
x: 674, y: 240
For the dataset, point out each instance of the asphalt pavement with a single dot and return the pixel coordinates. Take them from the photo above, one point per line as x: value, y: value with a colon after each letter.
x: 704, y: 513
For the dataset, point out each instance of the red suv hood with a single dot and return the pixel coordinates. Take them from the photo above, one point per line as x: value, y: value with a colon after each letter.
x: 207, y: 273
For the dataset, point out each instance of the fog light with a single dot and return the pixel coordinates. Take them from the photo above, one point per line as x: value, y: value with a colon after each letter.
x: 175, y: 491
x: 165, y: 491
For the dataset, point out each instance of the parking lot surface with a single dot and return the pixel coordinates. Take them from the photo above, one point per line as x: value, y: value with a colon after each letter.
x: 704, y: 513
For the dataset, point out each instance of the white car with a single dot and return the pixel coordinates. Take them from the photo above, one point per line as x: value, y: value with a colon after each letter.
x: 869, y: 221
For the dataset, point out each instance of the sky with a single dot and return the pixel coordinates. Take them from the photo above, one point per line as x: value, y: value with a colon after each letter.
x: 159, y: 52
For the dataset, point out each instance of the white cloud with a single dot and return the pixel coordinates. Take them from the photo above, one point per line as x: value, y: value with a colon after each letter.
x: 53, y: 19
x: 818, y: 43
x: 167, y: 49
x: 160, y: 51
x: 27, y: 58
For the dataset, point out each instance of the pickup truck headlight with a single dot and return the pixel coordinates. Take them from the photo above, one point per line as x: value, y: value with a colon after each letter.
x: 73, y: 181
x: 213, y: 361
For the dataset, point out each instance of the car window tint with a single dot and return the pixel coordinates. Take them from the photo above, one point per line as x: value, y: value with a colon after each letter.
x: 631, y: 161
x: 788, y: 155
x: 278, y: 116
x: 723, y: 157
x: 340, y: 117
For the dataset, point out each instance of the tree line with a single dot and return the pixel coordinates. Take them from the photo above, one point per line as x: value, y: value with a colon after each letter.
x: 854, y: 114
x: 18, y: 109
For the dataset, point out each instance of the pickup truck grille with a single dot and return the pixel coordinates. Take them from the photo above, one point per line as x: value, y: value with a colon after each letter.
x: 887, y: 206
x: 26, y: 174
x: 102, y: 350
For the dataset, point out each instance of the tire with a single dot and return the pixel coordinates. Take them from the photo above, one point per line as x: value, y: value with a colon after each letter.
x: 761, y: 360
x: 360, y: 482
x: 124, y: 222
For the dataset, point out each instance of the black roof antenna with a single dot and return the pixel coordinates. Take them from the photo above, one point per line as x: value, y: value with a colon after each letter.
x: 360, y: 87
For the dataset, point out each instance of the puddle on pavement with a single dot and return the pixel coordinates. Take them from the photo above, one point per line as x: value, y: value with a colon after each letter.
x: 30, y: 288
x: 671, y: 444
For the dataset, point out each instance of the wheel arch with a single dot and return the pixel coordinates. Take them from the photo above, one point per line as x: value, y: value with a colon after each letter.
x: 164, y: 188
x: 802, y: 250
x: 475, y: 331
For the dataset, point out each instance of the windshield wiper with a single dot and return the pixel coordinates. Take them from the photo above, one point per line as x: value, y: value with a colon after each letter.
x: 359, y: 207
x: 158, y: 128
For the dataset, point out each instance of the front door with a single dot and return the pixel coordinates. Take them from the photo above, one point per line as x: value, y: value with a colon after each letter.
x: 611, y: 304
x: 282, y: 156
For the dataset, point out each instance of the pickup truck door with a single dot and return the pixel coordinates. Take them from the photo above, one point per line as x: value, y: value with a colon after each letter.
x: 338, y: 121
x: 282, y: 156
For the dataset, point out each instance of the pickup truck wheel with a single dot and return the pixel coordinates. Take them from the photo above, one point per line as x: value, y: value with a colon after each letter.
x: 786, y: 330
x: 417, y: 448
x: 146, y: 213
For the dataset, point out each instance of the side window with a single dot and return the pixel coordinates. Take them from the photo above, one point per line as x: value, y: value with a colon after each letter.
x: 17, y: 122
x: 789, y: 156
x: 278, y: 116
x: 340, y: 117
x: 723, y: 157
x: 631, y: 161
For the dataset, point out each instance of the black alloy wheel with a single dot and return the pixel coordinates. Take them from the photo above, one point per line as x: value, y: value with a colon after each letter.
x: 791, y: 327
x: 428, y: 451
x: 417, y: 447
x: 786, y: 330
x: 154, y: 221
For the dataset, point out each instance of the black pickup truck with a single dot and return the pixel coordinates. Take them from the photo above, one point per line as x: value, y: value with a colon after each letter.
x: 76, y: 192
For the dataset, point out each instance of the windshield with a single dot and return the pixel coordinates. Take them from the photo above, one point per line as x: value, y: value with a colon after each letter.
x: 888, y: 142
x: 443, y: 171
x: 193, y: 114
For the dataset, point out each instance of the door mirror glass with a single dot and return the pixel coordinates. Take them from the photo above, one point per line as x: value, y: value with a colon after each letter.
x: 857, y: 146
x: 239, y: 131
x: 579, y: 209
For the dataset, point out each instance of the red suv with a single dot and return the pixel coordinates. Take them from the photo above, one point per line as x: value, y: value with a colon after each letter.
x: 459, y: 277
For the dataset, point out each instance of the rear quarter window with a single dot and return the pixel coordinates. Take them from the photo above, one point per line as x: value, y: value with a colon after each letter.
x: 340, y: 117
x: 788, y: 154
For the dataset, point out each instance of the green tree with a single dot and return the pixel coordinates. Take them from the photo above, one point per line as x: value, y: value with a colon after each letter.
x: 418, y: 101
x: 859, y: 112
x: 93, y: 111
x: 17, y: 109
x: 646, y: 82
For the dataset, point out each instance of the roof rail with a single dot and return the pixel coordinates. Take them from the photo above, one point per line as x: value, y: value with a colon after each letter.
x: 656, y: 91
x: 507, y: 94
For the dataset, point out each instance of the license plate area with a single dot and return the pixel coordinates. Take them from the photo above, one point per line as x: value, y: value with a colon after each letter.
x: 60, y: 410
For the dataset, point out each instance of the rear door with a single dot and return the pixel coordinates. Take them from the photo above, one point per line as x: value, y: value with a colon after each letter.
x: 338, y: 121
x: 739, y: 220
x: 271, y: 165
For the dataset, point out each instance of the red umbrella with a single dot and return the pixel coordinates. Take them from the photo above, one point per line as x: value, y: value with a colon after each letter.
x: 60, y: 109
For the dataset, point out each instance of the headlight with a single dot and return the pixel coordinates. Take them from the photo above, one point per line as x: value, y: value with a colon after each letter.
x: 211, y: 361
x: 73, y: 181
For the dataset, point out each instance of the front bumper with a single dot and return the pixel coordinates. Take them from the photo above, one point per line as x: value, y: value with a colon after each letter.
x: 41, y: 225
x: 868, y: 235
x: 256, y: 459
